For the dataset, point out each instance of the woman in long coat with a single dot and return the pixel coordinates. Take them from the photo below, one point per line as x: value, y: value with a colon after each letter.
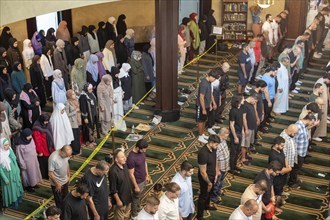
x: 13, y: 53
x: 11, y: 184
x: 60, y: 61
x: 73, y: 111
x: 28, y: 161
x: 138, y: 86
x: 105, y: 101
x: 30, y: 106
x: 109, y: 53
x: 78, y: 76
x: 129, y: 41
x: 58, y: 88
x: 18, y: 78
x: 92, y: 71
x: 37, y: 80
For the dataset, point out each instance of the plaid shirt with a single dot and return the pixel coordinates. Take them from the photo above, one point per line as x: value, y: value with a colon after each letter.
x: 290, y: 149
x: 223, y: 156
x: 301, y: 139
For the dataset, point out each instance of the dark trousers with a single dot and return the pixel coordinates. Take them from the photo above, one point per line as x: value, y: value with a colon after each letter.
x: 294, y: 172
x: 279, y: 183
x: 223, y: 103
x: 48, y: 86
x: 320, y: 44
x: 75, y: 144
x: 43, y: 165
x: 267, y: 111
x: 204, y: 196
x: 59, y: 196
x: 148, y: 86
x: 295, y: 78
x: 103, y: 216
x: 234, y: 150
x: 189, y: 217
x: 210, y: 118
x: 253, y: 77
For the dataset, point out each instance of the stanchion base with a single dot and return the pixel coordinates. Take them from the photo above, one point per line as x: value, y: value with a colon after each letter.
x: 168, y: 116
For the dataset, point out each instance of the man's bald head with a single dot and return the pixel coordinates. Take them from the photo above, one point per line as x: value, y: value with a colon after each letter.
x: 225, y: 67
x: 293, y: 128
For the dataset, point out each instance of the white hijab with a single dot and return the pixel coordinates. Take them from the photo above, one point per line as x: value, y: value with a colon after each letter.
x: 124, y: 70
x: 4, y: 155
x: 61, y: 127
x: 112, y: 20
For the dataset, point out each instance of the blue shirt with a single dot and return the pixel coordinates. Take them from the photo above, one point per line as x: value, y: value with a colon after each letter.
x: 186, y: 198
x: 301, y: 139
x: 270, y: 85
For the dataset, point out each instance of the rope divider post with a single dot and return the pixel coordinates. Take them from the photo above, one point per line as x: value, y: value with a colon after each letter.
x: 100, y: 145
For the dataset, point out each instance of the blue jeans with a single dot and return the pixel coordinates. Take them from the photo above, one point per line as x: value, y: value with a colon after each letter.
x: 216, y: 192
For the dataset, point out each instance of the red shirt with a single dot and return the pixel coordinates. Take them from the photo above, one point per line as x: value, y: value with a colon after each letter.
x: 257, y: 50
x: 270, y: 214
x: 41, y: 143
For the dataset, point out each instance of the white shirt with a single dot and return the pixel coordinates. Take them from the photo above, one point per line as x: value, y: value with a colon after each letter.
x: 238, y: 215
x: 275, y: 30
x: 143, y: 215
x: 168, y: 209
x: 267, y: 27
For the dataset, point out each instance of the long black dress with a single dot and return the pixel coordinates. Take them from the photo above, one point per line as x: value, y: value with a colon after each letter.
x: 32, y: 106
x: 121, y: 52
x: 37, y: 81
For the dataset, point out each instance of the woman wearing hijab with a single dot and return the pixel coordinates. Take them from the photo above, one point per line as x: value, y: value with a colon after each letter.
x: 102, y: 35
x: 194, y: 35
x: 92, y: 39
x: 121, y: 50
x: 5, y: 81
x: 148, y: 67
x: 42, y: 37
x: 63, y: 31
x: 109, y: 59
x: 83, y: 42
x: 4, y: 59
x: 100, y: 65
x: 202, y: 34
x: 88, y: 109
x: 78, y: 76
x: 58, y: 88
x: 61, y: 127
x: 11, y: 184
x: 105, y: 101
x: 36, y: 43
x: 118, y: 108
x: 30, y: 105
x: 5, y: 131
x: 182, y: 48
x: 13, y: 110
x: 121, y: 25
x: 28, y: 161
x: 210, y: 22
x: 50, y: 36
x: 73, y: 111
x: 138, y: 86
x: 186, y: 22
x: 43, y: 139
x: 60, y: 61
x: 47, y: 68
x: 126, y: 84
x: 28, y: 53
x: 5, y: 36
x: 13, y: 53
x: 111, y: 29
x: 129, y: 41
x: 37, y: 80
x: 73, y: 51
x: 18, y: 78
x: 92, y: 71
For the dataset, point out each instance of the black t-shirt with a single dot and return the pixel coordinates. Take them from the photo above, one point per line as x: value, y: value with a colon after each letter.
x: 259, y: 103
x: 205, y: 89
x: 98, y: 189
x: 120, y: 183
x: 279, y: 156
x: 237, y: 116
x: 244, y: 59
x: 263, y: 176
x: 74, y: 208
x: 208, y: 158
x: 250, y: 115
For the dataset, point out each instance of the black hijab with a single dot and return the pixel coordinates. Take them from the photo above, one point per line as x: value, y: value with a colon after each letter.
x: 40, y: 126
x: 84, y: 30
x: 33, y: 97
x: 23, y: 137
x: 121, y: 24
x: 4, y: 77
x: 4, y: 39
x: 9, y: 94
x: 115, y: 79
x: 91, y: 28
x: 15, y: 66
x: 50, y: 35
x: 11, y: 43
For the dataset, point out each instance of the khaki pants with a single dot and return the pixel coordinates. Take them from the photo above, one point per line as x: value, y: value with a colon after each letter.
x: 123, y: 213
x: 105, y: 127
x: 136, y: 199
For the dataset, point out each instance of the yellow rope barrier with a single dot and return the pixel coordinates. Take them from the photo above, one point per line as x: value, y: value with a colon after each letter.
x: 100, y: 145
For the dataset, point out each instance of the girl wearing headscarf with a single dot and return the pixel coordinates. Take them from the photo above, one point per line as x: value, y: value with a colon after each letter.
x: 37, y: 80
x: 148, y: 67
x: 28, y: 161
x: 30, y: 106
x: 105, y: 101
x: 13, y: 53
x: 121, y: 25
x: 36, y: 43
x: 5, y: 131
x: 88, y: 109
x: 92, y: 71
x: 194, y: 35
x: 73, y: 51
x: 126, y: 84
x: 78, y: 76
x: 138, y: 86
x: 27, y: 53
x: 129, y: 41
x: 100, y: 65
x: 5, y: 81
x: 62, y: 31
x: 60, y: 61
x: 92, y: 39
x: 102, y: 34
x: 186, y: 22
x: 121, y: 50
x: 58, y: 88
x: 83, y: 42
x: 118, y: 109
x: 182, y: 47
x: 61, y: 127
x: 13, y: 110
x: 109, y: 59
x: 4, y: 59
x: 111, y: 29
x: 42, y: 37
x: 18, y: 78
x: 43, y: 139
x: 73, y: 111
x: 5, y: 36
x: 50, y: 36
x: 11, y: 184
x: 47, y: 68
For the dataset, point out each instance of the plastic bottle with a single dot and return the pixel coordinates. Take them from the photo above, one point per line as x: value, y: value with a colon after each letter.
x: 133, y: 129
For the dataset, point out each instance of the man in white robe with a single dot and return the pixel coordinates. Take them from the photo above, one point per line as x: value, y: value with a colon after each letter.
x: 281, y: 104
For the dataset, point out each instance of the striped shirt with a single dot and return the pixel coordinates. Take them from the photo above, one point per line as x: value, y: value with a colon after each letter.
x: 223, y: 156
x: 290, y: 149
x: 301, y: 139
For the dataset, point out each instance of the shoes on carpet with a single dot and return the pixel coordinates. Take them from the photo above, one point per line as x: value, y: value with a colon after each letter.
x: 297, y: 84
x: 205, y: 136
x: 216, y: 127
x: 299, y: 81
x: 285, y: 194
x: 317, y: 56
x: 248, y: 157
x: 210, y: 130
x: 202, y: 140
x: 317, y: 139
x: 297, y: 88
x: 295, y: 91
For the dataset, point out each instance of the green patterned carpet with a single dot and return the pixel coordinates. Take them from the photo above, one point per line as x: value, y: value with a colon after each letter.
x: 171, y: 143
